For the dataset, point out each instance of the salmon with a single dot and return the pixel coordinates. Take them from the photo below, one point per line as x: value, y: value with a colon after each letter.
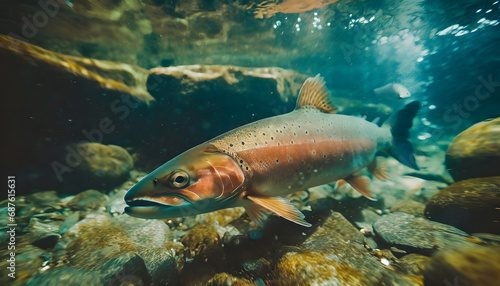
x: 255, y: 165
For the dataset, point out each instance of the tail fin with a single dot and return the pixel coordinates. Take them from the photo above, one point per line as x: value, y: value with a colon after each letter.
x: 401, y: 148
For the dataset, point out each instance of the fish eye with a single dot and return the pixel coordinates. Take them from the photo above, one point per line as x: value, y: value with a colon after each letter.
x: 179, y: 179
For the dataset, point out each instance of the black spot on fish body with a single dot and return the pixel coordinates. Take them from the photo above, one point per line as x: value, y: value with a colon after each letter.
x: 230, y: 145
x: 242, y: 143
x: 241, y: 161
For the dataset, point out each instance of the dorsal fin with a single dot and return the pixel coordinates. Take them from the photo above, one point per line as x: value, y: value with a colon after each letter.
x: 314, y: 94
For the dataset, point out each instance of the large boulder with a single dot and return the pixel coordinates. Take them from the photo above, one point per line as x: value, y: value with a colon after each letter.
x: 475, y: 152
x: 474, y: 265
x: 470, y: 205
x: 416, y: 234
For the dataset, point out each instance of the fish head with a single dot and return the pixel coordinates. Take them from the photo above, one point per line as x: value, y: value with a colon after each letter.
x: 199, y: 180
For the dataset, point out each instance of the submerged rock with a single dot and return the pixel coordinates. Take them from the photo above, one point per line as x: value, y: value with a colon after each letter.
x: 126, y: 269
x: 334, y: 255
x: 473, y: 265
x: 409, y: 207
x: 222, y: 279
x: 471, y: 205
x: 43, y: 234
x: 104, y: 162
x: 89, y: 200
x: 475, y: 152
x: 190, y: 81
x: 201, y: 240
x: 415, y: 234
x: 67, y: 276
x: 28, y: 261
x: 414, y: 263
x: 161, y: 265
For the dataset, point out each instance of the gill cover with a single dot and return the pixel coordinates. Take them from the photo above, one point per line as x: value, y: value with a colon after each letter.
x: 199, y: 180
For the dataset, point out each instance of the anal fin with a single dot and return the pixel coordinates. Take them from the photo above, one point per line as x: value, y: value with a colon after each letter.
x: 360, y: 184
x: 378, y: 169
x: 281, y: 207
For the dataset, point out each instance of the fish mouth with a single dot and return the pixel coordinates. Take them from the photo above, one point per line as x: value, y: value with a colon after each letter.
x: 152, y: 209
x: 145, y: 203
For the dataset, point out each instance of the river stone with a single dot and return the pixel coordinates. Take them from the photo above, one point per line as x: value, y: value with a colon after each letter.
x: 126, y: 269
x: 475, y: 152
x: 471, y: 205
x: 105, y: 161
x: 416, y: 234
x: 473, y: 265
x: 161, y: 265
x: 89, y: 200
x: 67, y: 276
x: 333, y: 255
x: 414, y: 263
x: 201, y: 240
x: 409, y: 207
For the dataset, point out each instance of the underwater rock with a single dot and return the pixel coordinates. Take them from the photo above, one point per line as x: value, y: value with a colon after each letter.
x: 475, y: 152
x: 161, y: 265
x: 28, y: 261
x: 126, y: 269
x: 474, y: 265
x: 43, y: 234
x: 67, y: 276
x: 409, y: 207
x: 222, y: 279
x: 102, y: 76
x: 116, y: 203
x: 471, y: 205
x: 96, y: 240
x: 40, y: 202
x: 416, y: 234
x: 334, y: 255
x: 103, y: 163
x: 414, y: 263
x: 143, y: 233
x: 89, y: 200
x: 201, y: 240
x: 241, y: 82
x: 68, y: 223
x: 256, y: 268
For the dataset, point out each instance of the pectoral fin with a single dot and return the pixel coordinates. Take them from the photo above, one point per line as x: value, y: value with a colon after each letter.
x: 281, y: 207
x: 339, y: 184
x: 360, y: 184
x: 378, y: 169
x: 257, y: 213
